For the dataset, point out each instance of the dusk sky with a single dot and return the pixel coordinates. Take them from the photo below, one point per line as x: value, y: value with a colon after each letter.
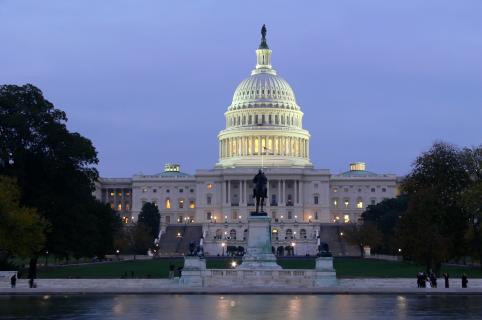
x: 149, y: 81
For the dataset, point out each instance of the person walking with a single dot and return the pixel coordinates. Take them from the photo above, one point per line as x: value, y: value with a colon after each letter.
x: 465, y: 281
x: 13, y: 281
x: 446, y: 278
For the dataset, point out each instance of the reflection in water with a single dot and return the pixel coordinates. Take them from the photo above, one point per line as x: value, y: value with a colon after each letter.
x: 234, y: 307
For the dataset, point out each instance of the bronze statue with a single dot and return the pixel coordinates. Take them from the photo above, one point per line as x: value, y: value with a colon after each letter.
x: 263, y: 31
x: 260, y: 189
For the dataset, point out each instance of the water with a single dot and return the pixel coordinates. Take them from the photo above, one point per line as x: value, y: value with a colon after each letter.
x: 286, y: 307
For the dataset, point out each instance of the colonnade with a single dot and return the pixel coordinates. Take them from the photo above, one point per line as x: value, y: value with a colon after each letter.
x: 264, y: 145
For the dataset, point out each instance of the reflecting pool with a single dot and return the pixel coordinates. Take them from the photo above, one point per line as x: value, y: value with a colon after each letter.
x: 140, y: 307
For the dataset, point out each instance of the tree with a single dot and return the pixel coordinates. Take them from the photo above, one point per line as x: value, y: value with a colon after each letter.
x: 472, y: 203
x: 150, y: 217
x: 141, y: 239
x: 421, y: 234
x: 386, y: 215
x: 55, y: 170
x: 22, y: 230
x: 366, y: 234
x: 441, y: 174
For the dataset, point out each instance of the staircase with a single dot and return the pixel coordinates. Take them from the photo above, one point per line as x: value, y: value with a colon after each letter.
x: 330, y: 233
x: 173, y: 244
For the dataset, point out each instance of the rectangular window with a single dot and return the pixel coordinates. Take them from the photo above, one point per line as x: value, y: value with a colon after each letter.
x: 315, y: 200
x: 346, y: 218
x: 181, y: 203
x: 335, y: 203
x: 273, y: 200
x: 119, y: 207
x: 359, y: 204
x: 290, y: 215
x: 208, y: 215
x: 208, y: 200
x: 316, y: 215
x: 127, y: 206
x: 346, y: 203
x: 192, y: 204
x: 234, y: 215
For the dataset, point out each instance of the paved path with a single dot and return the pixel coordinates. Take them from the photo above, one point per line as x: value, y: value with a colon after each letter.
x: 166, y: 286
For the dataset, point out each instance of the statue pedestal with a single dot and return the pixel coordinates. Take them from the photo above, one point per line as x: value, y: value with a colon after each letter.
x: 192, y: 272
x: 259, y: 253
x: 325, y: 275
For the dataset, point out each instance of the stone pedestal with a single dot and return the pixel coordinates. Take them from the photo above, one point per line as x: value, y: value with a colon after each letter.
x: 259, y: 253
x: 192, y: 272
x: 325, y: 275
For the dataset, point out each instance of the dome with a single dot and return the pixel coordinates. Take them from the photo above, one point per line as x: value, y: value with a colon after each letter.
x: 264, y: 89
x: 264, y: 122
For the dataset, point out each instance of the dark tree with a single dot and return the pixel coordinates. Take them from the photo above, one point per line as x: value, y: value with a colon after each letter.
x: 55, y: 170
x: 150, y: 217
x: 434, y: 215
x: 386, y: 215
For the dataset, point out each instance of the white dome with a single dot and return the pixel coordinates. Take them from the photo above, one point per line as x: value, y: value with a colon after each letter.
x: 264, y: 89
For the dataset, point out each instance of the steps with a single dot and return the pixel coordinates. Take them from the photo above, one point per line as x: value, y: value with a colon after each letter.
x: 177, y: 238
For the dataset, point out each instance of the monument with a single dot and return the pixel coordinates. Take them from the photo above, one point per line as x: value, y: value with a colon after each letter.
x: 259, y: 254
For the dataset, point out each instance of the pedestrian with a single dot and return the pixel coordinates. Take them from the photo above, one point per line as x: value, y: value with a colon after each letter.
x: 30, y: 282
x: 446, y: 278
x: 465, y: 281
x: 433, y: 280
x: 13, y: 280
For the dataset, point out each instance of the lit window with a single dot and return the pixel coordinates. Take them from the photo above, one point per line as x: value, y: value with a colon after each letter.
x: 128, y: 194
x: 181, y: 203
x: 192, y: 205
x: 119, y: 207
x: 119, y: 193
x: 155, y: 203
x: 359, y: 204
x: 335, y: 203
x: 127, y: 206
x: 346, y: 218
x: 112, y: 205
x: 346, y: 203
x: 144, y: 190
x: 210, y: 186
x: 112, y: 193
x: 335, y: 190
x: 168, y: 203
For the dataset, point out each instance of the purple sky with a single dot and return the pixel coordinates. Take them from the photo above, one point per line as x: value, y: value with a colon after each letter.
x: 149, y: 81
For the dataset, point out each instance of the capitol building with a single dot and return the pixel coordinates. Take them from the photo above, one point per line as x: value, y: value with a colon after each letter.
x: 264, y: 129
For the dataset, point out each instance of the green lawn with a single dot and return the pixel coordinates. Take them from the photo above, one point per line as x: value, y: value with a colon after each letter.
x: 159, y: 268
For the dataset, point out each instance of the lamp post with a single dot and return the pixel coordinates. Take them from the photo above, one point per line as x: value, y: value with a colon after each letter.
x: 293, y: 246
x: 223, y: 245
x: 46, y: 258
x: 117, y: 253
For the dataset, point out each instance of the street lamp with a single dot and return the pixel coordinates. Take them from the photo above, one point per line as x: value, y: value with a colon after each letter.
x: 293, y: 246
x: 223, y: 245
x: 117, y: 253
x: 46, y: 257
x: 233, y: 264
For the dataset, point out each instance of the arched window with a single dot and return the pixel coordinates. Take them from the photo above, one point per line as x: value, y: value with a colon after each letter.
x: 181, y: 203
x: 359, y: 203
x: 303, y: 234
x: 219, y: 234
x: 168, y: 203
x: 289, y: 234
x: 275, y: 234
x: 232, y: 234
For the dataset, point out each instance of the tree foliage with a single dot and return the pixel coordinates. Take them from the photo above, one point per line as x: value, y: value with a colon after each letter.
x: 385, y: 216
x: 434, y: 228
x: 366, y: 234
x: 55, y: 170
x: 21, y: 229
x: 150, y: 217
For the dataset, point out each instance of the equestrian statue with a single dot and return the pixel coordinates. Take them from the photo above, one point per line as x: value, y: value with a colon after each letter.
x: 260, y: 190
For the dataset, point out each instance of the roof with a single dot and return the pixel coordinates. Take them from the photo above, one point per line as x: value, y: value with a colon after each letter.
x: 358, y: 173
x: 173, y: 174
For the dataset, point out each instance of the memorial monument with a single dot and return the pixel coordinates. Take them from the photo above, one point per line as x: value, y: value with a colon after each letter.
x: 259, y: 254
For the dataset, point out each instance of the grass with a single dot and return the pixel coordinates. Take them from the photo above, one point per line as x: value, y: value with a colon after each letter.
x: 159, y: 268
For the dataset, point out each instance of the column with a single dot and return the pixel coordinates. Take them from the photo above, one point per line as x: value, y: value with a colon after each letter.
x: 229, y: 192
x: 279, y: 192
x: 267, y: 195
x: 283, y: 193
